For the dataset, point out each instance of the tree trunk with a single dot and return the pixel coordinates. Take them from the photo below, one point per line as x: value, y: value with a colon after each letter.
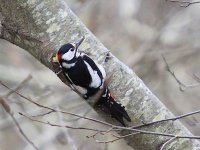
x: 41, y: 27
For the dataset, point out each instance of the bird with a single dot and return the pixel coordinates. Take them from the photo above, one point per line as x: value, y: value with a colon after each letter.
x: 87, y: 77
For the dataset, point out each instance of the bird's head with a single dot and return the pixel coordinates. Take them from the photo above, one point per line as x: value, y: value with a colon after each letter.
x: 68, y: 51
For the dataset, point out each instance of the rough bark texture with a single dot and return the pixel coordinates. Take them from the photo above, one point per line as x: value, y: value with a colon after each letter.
x: 41, y: 27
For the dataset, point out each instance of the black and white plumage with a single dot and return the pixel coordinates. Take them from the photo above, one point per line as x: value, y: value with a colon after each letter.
x: 87, y: 77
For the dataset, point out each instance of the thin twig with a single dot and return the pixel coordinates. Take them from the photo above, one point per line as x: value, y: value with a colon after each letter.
x: 76, y: 119
x: 107, y: 141
x: 112, y: 127
x: 181, y: 84
x: 163, y: 134
x: 123, y: 136
x: 22, y: 133
x: 196, y: 77
x: 117, y: 137
x: 54, y: 110
x: 100, y: 132
x: 44, y: 114
x: 58, y: 125
x: 169, y: 119
x: 167, y: 142
x: 19, y: 86
x: 183, y: 3
x: 95, y: 134
x: 9, y: 111
x: 122, y: 128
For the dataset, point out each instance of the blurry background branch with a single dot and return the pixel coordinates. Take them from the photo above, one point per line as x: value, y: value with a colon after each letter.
x: 134, y: 130
x: 40, y: 27
x: 184, y: 3
x: 7, y: 108
x: 182, y: 86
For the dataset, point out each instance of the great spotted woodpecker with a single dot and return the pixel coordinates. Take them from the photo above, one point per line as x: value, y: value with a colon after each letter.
x: 87, y: 77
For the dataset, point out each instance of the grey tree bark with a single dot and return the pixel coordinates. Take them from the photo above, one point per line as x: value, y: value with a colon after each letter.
x: 41, y: 27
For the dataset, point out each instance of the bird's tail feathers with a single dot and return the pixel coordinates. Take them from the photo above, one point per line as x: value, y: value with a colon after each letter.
x: 115, y: 109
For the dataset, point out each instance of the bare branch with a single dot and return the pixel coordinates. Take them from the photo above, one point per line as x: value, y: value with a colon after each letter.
x: 5, y: 105
x: 58, y: 125
x: 184, y: 3
x: 182, y: 86
x: 136, y: 131
x: 117, y: 138
x: 54, y: 110
x: 169, y: 119
x: 108, y: 141
x: 76, y: 119
x: 8, y: 110
x: 44, y: 114
x: 0, y: 24
x: 163, y: 134
x: 167, y: 142
x: 19, y: 86
x: 112, y: 127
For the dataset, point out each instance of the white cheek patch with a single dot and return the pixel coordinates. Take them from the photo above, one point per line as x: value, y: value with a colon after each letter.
x: 69, y: 55
x: 66, y: 65
x: 96, y: 80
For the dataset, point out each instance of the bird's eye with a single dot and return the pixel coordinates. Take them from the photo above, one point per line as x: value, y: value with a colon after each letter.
x: 71, y: 49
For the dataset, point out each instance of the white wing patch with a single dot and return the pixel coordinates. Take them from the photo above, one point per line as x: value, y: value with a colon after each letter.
x: 102, y: 72
x: 96, y: 80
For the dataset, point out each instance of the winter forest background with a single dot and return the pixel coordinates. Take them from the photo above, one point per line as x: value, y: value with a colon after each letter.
x: 138, y: 33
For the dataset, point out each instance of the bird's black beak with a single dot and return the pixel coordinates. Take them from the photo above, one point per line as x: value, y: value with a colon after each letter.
x: 77, y: 44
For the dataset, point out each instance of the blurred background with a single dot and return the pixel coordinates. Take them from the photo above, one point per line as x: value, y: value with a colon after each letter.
x: 138, y: 33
